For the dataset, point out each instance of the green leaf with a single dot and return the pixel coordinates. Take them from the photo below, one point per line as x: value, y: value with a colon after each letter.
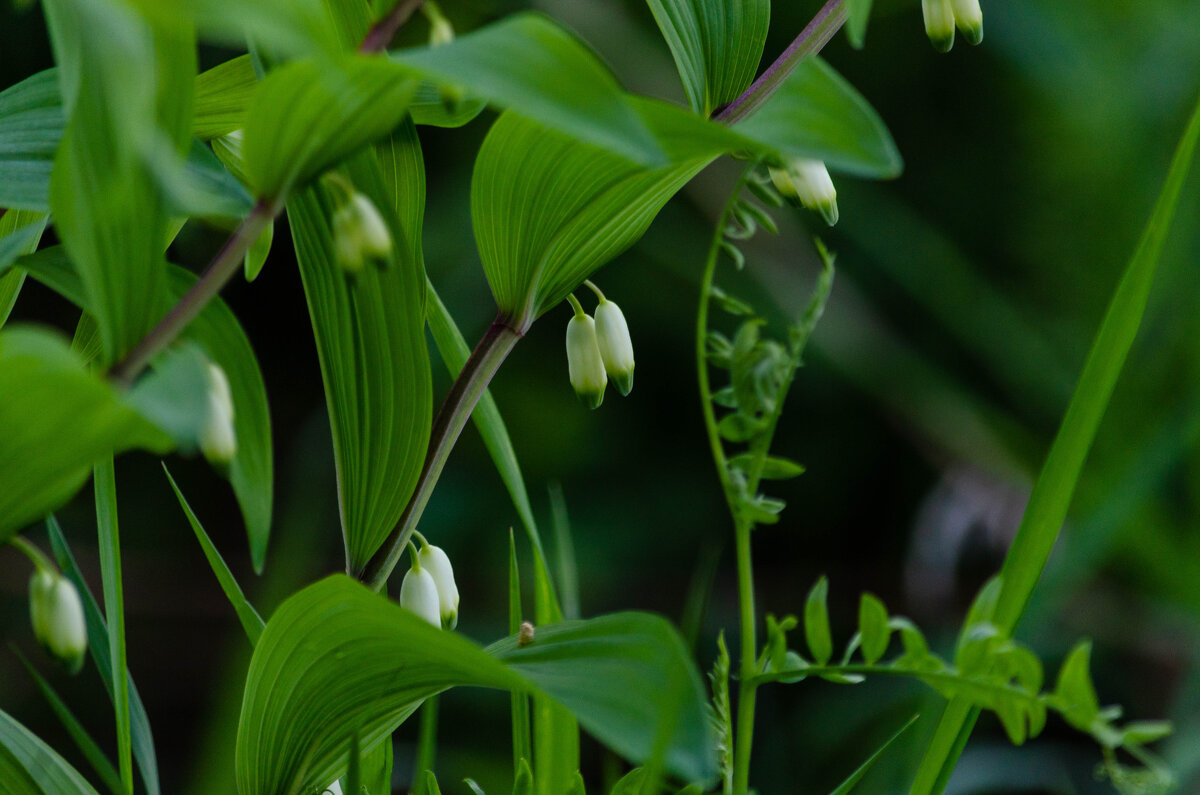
x: 30, y: 767
x: 31, y: 124
x: 857, y: 14
x: 1144, y: 732
x: 20, y: 232
x: 307, y: 116
x: 57, y: 420
x: 436, y: 107
x: 549, y: 210
x: 717, y: 45
x: 816, y: 622
x: 374, y: 362
x: 283, y: 27
x: 850, y: 783
x: 108, y: 208
x: 773, y: 467
x: 256, y: 257
x: 217, y: 331
x: 873, y: 627
x: 87, y: 746
x: 1075, y: 693
x: 114, y: 608
x: 816, y: 113
x: 530, y: 64
x: 523, y: 783
x: 252, y: 622
x: 143, y: 738
x: 336, y: 659
x: 222, y: 95
x: 1051, y: 496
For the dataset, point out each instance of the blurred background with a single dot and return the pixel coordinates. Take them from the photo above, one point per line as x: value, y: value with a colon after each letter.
x: 966, y: 297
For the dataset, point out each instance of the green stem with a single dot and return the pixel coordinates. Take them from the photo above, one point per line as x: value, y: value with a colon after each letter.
x: 35, y: 555
x: 815, y: 35
x: 222, y: 268
x: 426, y: 743
x: 744, y: 736
x: 476, y: 374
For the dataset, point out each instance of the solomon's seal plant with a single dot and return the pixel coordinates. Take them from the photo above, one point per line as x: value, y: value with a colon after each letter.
x: 320, y: 118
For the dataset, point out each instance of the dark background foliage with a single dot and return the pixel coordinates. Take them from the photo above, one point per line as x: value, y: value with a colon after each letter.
x: 967, y: 293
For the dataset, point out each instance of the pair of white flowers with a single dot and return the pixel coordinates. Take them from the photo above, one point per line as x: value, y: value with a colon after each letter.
x: 428, y: 588
x: 941, y: 17
x: 597, y: 349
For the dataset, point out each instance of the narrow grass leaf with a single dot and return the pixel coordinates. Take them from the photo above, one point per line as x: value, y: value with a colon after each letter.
x: 251, y: 621
x: 98, y: 646
x: 1051, y: 496
x: 850, y: 783
x: 109, y: 538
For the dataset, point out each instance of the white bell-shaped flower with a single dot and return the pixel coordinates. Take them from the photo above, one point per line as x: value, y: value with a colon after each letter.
x: 419, y: 594
x: 360, y: 233
x: 437, y: 563
x: 939, y: 23
x: 584, y: 363
x: 808, y: 182
x: 218, y: 440
x: 612, y: 337
x: 56, y: 613
x: 969, y: 18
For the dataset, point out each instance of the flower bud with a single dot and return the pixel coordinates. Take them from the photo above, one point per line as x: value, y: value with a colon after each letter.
x: 333, y: 789
x: 440, y: 30
x: 437, y: 563
x: 419, y: 595
x: 939, y: 23
x: 616, y: 348
x: 808, y: 182
x: 57, y: 617
x: 360, y: 233
x: 584, y: 363
x: 969, y: 18
x: 218, y: 441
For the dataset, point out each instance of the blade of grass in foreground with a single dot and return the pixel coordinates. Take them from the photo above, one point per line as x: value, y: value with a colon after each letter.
x: 1051, y: 496
x: 252, y: 622
x: 114, y: 607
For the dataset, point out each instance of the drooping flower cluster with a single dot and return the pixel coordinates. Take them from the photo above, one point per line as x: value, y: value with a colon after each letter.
x: 807, y: 182
x: 428, y: 589
x: 941, y: 17
x: 597, y: 349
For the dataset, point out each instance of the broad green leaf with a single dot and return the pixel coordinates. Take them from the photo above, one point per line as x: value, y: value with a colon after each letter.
x: 79, y: 735
x: 30, y: 767
x: 31, y: 124
x: 143, y: 738
x: 717, y: 45
x: 337, y: 659
x: 109, y: 536
x: 529, y: 64
x: 20, y: 232
x: 1055, y: 486
x: 435, y: 107
x: 217, y: 331
x: 57, y: 420
x: 222, y: 95
x: 816, y: 113
x: 549, y: 210
x: 283, y: 27
x: 852, y: 781
x: 252, y: 622
x: 816, y: 622
x: 307, y: 116
x: 374, y: 362
x: 108, y: 208
x: 857, y: 14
